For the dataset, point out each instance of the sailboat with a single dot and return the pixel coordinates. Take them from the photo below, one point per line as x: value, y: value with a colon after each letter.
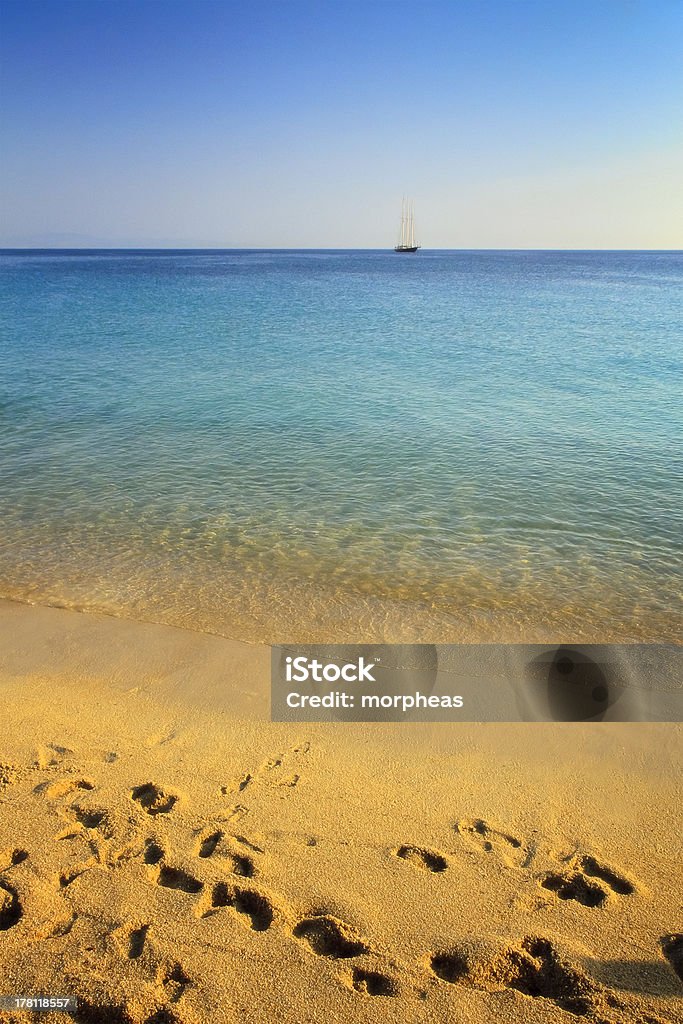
x: 407, y: 241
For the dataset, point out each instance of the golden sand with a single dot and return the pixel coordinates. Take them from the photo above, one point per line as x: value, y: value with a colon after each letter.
x: 169, y: 855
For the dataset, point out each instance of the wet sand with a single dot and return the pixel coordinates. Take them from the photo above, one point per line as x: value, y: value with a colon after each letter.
x: 167, y: 854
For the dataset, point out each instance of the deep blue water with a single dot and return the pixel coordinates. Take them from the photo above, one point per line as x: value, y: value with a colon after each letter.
x: 290, y: 445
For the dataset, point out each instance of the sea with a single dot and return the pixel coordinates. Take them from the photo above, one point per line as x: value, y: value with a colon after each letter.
x: 352, y: 446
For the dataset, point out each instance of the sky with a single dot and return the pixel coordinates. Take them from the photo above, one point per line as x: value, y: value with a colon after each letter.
x: 193, y: 123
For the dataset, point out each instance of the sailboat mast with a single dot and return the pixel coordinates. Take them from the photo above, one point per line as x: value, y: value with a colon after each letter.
x: 406, y: 241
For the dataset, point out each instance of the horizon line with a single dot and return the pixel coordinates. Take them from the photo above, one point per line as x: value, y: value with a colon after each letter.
x: 276, y: 248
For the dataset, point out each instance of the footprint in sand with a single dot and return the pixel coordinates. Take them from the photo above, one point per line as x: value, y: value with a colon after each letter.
x: 131, y: 940
x: 253, y: 905
x: 84, y: 820
x: 65, y: 878
x: 575, y: 886
x: 50, y: 754
x: 173, y: 981
x: 237, y: 811
x: 672, y: 948
x: 373, y: 983
x: 276, y: 771
x: 240, y: 865
x: 511, y: 850
x: 176, y: 878
x: 89, y: 817
x: 11, y: 910
x: 153, y: 799
x: 238, y: 785
x: 534, y: 968
x: 170, y: 978
x: 421, y: 857
x: 208, y: 843
x: 211, y: 843
x: 10, y: 858
x: 328, y: 936
x: 152, y: 852
x: 137, y: 938
x: 616, y: 882
x: 63, y: 787
x: 587, y: 882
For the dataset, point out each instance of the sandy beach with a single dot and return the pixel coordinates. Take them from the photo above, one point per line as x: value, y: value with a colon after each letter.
x: 341, y: 454
x: 167, y: 854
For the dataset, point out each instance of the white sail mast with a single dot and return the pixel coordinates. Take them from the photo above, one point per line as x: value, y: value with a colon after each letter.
x: 407, y: 241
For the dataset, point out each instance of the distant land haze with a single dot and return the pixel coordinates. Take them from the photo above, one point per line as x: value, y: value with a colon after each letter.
x: 644, y: 212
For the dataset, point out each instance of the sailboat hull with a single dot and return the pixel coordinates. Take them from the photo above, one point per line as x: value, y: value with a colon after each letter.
x: 406, y: 248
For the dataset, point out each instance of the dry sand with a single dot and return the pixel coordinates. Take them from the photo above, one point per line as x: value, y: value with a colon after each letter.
x: 169, y: 855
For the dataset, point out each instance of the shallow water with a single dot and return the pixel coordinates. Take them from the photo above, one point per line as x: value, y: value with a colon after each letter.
x: 346, y: 445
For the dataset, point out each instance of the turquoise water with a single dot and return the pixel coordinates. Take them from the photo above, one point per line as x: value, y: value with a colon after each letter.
x: 346, y: 445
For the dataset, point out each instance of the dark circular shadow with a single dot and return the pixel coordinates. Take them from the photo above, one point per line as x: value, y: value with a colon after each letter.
x: 569, y: 684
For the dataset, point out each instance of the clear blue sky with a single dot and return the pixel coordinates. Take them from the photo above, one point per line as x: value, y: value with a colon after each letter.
x: 513, y: 123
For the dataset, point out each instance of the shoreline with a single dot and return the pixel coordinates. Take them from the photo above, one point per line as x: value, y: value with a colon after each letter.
x: 312, y: 613
x: 149, y: 807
